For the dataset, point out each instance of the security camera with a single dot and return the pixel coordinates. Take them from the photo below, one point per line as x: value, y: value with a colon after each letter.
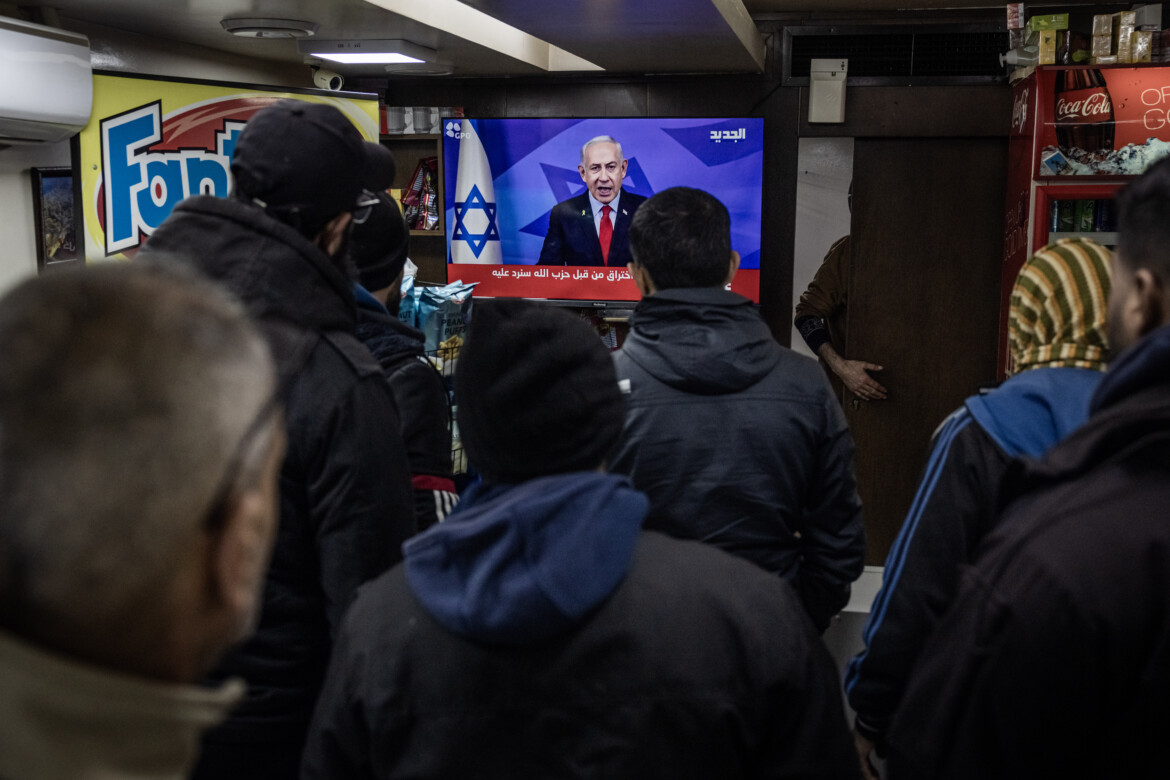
x: 327, y: 79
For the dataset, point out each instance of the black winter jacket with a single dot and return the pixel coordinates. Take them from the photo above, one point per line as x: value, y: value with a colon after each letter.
x: 953, y: 510
x: 1052, y: 661
x: 539, y: 633
x: 345, y: 498
x: 424, y: 406
x: 739, y: 442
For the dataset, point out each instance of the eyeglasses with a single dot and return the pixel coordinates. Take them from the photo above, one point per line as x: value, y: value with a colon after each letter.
x: 364, y: 206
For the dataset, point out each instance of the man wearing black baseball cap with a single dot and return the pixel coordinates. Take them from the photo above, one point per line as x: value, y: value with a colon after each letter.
x: 301, y: 172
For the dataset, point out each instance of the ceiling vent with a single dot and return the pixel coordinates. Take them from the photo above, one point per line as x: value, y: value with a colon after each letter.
x: 904, y: 55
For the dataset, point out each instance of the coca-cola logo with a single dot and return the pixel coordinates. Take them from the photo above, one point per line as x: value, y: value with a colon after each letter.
x: 1020, y: 111
x: 1092, y: 107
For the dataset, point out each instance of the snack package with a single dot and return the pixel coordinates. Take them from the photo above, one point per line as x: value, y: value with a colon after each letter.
x: 408, y: 305
x: 443, y: 314
x: 1048, y: 22
x: 1141, y: 45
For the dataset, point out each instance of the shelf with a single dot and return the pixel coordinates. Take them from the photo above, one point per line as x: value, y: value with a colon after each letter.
x: 428, y: 247
x: 1107, y: 239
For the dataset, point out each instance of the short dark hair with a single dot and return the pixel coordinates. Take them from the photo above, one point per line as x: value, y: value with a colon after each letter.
x: 1143, y: 230
x: 682, y: 238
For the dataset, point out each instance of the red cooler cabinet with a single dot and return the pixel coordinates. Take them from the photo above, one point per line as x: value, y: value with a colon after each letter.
x: 1078, y: 134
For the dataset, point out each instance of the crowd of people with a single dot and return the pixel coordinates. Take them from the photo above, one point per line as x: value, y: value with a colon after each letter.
x: 231, y: 545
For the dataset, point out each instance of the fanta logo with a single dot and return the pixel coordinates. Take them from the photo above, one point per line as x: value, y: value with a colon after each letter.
x: 142, y: 184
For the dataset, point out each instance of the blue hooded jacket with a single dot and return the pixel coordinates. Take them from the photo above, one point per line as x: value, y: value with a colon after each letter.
x: 515, y: 564
x: 1033, y: 410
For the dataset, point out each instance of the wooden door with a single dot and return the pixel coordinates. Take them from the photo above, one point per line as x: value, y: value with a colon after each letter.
x: 927, y: 229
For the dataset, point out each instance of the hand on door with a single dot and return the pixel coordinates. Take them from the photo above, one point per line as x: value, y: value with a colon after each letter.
x: 854, y: 374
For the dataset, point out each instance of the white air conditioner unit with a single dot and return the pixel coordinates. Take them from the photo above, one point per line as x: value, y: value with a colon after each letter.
x: 46, y: 83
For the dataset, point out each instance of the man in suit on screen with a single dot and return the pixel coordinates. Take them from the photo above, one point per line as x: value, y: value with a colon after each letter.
x: 593, y: 228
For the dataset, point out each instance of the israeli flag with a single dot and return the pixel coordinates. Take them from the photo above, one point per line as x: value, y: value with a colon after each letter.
x: 475, y: 233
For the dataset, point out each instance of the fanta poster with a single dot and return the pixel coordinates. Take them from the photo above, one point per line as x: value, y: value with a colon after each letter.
x: 1103, y: 121
x: 524, y: 203
x: 152, y: 142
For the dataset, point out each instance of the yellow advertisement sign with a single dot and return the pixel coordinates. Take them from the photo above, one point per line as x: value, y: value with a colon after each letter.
x: 152, y: 142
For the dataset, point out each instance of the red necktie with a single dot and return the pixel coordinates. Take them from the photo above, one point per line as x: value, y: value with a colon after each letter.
x: 605, y: 233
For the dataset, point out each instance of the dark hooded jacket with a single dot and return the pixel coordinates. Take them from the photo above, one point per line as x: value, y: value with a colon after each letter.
x: 539, y: 632
x: 1052, y: 660
x: 738, y: 442
x: 424, y: 407
x: 953, y: 510
x: 345, y: 500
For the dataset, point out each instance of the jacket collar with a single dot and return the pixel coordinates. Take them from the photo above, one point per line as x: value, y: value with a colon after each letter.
x: 273, y: 268
x: 65, y: 720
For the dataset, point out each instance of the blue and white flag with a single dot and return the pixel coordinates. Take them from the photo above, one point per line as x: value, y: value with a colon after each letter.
x: 475, y: 232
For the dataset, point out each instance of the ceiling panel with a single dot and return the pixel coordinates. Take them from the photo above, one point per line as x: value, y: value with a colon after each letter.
x: 639, y: 36
x: 620, y: 36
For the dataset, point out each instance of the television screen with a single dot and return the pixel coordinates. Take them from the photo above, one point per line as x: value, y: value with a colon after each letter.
x: 505, y: 177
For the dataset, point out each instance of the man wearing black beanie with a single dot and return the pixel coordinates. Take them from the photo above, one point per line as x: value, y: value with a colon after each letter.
x: 540, y: 632
x: 377, y: 248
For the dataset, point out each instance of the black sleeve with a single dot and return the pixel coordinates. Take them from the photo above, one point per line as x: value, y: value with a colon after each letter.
x: 359, y: 493
x: 814, y: 331
x: 832, y: 544
x: 807, y: 733
x: 952, y: 511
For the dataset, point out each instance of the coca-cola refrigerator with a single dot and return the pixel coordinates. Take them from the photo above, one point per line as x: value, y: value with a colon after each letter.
x: 1078, y: 134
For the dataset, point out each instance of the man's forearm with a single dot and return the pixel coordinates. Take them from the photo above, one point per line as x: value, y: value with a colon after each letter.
x: 831, y: 356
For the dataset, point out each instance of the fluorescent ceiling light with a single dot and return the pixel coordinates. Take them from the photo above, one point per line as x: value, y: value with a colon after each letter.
x: 364, y: 52
x: 366, y: 58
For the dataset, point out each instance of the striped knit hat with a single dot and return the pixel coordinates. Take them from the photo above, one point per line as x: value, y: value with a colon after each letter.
x: 1058, y: 305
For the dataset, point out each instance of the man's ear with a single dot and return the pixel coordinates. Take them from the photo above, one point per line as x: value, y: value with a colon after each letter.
x: 581, y: 170
x: 732, y: 267
x: 330, y: 238
x: 1150, y: 304
x: 239, y: 552
x: 641, y: 279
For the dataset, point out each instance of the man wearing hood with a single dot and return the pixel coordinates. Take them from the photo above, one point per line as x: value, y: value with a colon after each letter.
x: 378, y: 247
x: 1052, y: 659
x: 737, y: 441
x: 540, y: 632
x: 278, y: 243
x: 1057, y: 339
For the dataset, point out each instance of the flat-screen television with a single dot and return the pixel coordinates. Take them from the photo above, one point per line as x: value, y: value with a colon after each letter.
x: 503, y: 178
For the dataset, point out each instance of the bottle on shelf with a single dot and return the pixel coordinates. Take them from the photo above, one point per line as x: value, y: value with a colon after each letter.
x: 1021, y: 57
x: 1084, y: 110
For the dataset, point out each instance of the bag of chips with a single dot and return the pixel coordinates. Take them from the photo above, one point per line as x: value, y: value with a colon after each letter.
x: 408, y: 305
x: 443, y: 314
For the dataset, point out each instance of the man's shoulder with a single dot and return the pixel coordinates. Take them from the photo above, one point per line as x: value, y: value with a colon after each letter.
x: 351, y: 352
x: 573, y: 205
x: 632, y: 199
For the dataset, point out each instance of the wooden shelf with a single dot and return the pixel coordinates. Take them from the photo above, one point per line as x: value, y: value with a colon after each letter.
x: 428, y: 248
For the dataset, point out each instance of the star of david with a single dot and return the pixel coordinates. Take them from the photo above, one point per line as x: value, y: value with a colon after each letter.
x: 477, y: 241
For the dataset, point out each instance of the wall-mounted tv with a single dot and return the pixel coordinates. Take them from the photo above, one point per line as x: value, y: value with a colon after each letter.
x: 503, y: 178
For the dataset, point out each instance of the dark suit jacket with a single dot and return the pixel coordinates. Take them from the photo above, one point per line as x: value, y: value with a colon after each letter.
x: 572, y: 238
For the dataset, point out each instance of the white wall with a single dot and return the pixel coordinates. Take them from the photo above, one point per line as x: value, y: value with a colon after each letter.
x: 113, y: 50
x: 18, y: 249
x: 824, y: 170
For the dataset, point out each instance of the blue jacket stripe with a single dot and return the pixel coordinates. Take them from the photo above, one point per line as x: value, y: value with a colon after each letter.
x: 897, y: 558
